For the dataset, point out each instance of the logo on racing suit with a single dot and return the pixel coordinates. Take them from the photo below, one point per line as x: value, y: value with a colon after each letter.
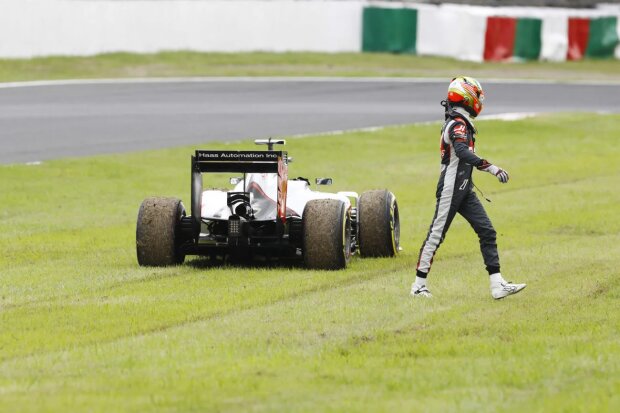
x: 464, y: 185
x: 460, y: 130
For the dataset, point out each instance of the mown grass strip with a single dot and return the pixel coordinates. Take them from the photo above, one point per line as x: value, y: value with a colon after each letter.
x: 184, y: 63
x: 85, y: 328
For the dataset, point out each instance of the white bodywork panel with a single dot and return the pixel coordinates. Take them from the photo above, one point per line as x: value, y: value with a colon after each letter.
x: 263, y: 189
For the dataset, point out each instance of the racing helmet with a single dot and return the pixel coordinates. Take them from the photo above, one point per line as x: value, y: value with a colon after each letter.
x: 466, y: 92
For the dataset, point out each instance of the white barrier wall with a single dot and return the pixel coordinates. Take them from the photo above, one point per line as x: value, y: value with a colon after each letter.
x: 555, y: 41
x: 31, y: 28
x: 446, y: 31
x: 68, y: 27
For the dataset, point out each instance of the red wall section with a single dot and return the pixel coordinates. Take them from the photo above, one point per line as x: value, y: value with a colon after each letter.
x: 499, y: 39
x: 578, y: 33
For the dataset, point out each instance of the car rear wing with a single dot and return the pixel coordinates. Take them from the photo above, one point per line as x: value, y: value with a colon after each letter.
x: 238, y: 161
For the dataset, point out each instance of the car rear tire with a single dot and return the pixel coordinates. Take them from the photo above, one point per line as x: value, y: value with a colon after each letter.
x: 157, y: 232
x: 379, y: 224
x: 326, y: 234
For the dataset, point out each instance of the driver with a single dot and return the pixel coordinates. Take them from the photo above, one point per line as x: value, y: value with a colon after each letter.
x: 455, y: 188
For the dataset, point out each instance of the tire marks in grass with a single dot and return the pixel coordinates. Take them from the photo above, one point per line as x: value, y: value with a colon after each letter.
x: 127, y: 319
x: 256, y: 343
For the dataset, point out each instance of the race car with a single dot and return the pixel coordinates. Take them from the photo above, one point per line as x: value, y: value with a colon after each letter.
x: 267, y: 215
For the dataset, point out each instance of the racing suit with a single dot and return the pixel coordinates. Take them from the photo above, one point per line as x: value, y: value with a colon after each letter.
x: 455, y: 194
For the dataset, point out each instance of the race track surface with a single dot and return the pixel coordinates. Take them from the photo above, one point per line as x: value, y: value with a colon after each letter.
x: 55, y: 121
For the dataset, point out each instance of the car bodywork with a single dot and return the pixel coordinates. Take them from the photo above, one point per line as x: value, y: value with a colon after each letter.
x: 264, y: 214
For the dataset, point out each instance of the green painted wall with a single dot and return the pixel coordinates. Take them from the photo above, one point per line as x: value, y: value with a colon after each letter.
x: 528, y: 40
x: 389, y: 30
x: 603, y: 37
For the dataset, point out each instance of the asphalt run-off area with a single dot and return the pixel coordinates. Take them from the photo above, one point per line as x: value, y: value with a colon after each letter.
x: 48, y: 120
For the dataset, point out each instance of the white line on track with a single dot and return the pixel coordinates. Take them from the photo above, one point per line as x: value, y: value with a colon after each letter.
x: 508, y: 117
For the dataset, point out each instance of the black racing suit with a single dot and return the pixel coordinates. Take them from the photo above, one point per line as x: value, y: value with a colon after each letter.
x: 455, y: 194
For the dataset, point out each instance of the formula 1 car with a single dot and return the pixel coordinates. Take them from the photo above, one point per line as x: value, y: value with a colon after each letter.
x: 266, y: 214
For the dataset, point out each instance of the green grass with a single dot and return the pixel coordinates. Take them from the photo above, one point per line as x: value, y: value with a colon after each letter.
x: 83, y: 328
x: 168, y: 64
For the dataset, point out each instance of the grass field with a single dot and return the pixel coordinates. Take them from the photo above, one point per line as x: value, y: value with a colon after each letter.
x: 168, y: 64
x: 83, y: 328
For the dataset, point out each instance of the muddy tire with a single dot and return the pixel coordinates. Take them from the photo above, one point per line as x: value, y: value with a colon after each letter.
x: 379, y: 224
x: 157, y: 232
x: 326, y: 234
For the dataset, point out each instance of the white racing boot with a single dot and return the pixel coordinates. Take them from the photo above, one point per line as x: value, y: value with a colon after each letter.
x: 501, y: 288
x: 420, y: 291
